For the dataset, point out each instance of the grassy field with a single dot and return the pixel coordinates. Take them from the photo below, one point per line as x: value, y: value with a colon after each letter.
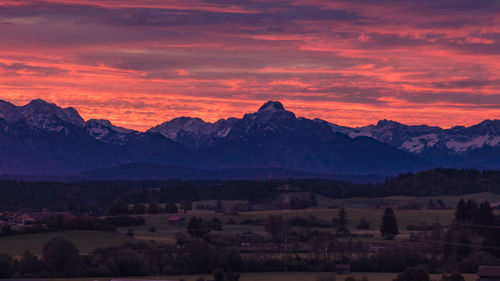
x: 450, y: 201
x: 356, y: 208
x: 85, y: 241
x: 166, y: 233
x: 276, y: 276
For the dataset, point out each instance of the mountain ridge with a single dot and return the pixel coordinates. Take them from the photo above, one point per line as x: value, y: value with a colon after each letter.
x: 58, y: 140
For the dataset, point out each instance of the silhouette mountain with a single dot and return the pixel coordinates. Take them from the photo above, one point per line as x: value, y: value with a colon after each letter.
x: 41, y: 138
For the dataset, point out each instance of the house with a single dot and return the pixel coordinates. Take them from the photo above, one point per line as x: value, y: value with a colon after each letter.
x: 342, y: 268
x: 489, y: 273
x: 19, y: 218
x: 177, y: 220
x: 44, y: 216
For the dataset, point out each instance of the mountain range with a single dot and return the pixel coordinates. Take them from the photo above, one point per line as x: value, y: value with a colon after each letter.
x: 42, y: 138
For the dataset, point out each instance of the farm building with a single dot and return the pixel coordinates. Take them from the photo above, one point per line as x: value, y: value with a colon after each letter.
x: 20, y: 218
x: 489, y: 273
x: 176, y: 220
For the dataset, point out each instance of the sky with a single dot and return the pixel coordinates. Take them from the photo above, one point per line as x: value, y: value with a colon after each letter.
x: 352, y: 62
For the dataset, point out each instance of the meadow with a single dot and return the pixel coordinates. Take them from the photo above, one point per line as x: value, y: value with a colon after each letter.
x: 85, y: 241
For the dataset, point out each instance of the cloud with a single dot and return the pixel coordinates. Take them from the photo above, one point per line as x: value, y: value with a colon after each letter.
x: 352, y: 62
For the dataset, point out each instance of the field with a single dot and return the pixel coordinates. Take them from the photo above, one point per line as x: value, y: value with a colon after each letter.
x: 449, y: 200
x: 85, y: 241
x: 166, y: 233
x: 356, y: 208
x: 276, y: 276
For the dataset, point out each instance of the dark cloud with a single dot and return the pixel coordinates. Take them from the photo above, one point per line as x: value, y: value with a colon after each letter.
x: 25, y: 69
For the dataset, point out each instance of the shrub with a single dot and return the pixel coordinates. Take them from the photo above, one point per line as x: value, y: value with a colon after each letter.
x: 6, y: 265
x: 413, y: 274
x: 350, y: 278
x: 454, y: 276
x: 61, y: 256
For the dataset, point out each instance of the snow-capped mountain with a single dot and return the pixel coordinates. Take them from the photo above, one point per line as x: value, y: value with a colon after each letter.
x: 104, y: 131
x: 41, y: 137
x: 41, y: 115
x: 422, y: 138
x: 194, y: 132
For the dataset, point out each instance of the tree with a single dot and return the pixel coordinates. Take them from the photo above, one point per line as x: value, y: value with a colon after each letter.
x: 472, y: 209
x: 491, y: 242
x: 219, y: 207
x: 154, y: 208
x: 464, y: 244
x: 171, y: 208
x: 6, y: 229
x: 218, y: 274
x: 485, y: 215
x: 139, y: 209
x: 30, y: 265
x: 118, y: 207
x: 389, y: 227
x: 61, y: 256
x: 448, y: 246
x: 216, y: 224
x: 454, y: 276
x: 461, y: 211
x: 197, y: 227
x: 232, y: 276
x: 430, y: 204
x: 6, y: 265
x: 273, y: 225
x: 55, y: 221
x: 342, y: 222
x: 186, y: 205
x: 413, y: 274
x: 440, y: 203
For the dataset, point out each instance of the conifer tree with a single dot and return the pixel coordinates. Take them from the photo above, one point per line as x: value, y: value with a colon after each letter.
x: 389, y: 227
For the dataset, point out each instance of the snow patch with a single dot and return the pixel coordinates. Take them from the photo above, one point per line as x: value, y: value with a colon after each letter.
x: 475, y: 143
x: 418, y: 144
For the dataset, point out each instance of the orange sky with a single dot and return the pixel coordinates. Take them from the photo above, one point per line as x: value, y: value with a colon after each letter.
x: 349, y: 62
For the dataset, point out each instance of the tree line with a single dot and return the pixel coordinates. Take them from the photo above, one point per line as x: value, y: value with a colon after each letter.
x: 95, y: 197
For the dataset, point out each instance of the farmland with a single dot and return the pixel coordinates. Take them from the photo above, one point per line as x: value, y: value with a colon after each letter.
x: 85, y: 241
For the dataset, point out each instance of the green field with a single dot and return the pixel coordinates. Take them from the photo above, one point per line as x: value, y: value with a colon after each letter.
x: 449, y: 200
x: 166, y: 233
x: 85, y: 241
x: 275, y: 276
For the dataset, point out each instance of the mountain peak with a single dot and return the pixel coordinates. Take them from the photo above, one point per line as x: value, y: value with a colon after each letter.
x: 386, y: 123
x: 38, y: 101
x: 40, y: 112
x: 271, y: 106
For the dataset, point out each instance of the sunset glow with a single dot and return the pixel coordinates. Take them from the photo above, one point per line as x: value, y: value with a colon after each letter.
x: 140, y: 63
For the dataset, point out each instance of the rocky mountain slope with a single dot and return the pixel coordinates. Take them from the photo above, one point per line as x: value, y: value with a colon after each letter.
x: 43, y: 138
